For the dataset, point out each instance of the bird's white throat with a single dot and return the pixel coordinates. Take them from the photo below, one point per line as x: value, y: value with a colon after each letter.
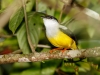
x: 52, y: 27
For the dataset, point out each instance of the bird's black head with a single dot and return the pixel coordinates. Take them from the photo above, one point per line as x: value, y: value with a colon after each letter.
x: 49, y: 17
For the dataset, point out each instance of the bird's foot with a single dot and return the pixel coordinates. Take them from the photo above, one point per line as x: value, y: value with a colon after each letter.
x: 61, y: 49
x: 51, y: 51
x: 64, y: 49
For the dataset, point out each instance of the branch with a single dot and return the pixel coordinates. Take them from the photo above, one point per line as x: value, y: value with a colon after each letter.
x: 92, y: 13
x: 88, y: 11
x: 11, y: 58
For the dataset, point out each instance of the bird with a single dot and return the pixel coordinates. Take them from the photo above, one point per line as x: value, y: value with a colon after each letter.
x: 59, y: 35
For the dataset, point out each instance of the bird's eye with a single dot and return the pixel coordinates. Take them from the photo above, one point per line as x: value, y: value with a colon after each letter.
x: 51, y: 17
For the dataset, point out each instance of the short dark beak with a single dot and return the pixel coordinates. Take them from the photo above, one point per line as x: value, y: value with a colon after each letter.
x: 42, y: 16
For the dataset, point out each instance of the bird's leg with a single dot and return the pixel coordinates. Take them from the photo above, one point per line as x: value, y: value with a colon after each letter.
x: 61, y: 49
x: 51, y: 51
x: 64, y: 49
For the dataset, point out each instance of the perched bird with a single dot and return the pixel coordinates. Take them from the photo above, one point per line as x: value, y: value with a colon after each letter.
x: 59, y: 35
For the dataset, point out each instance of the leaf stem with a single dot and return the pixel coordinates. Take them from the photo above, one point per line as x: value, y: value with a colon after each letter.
x: 27, y: 28
x: 0, y: 4
x: 36, y: 5
x: 61, y: 14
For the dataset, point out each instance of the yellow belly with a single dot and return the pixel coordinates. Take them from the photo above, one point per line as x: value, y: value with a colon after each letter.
x: 62, y: 40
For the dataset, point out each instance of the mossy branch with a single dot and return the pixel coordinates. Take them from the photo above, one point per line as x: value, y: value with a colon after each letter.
x: 42, y: 56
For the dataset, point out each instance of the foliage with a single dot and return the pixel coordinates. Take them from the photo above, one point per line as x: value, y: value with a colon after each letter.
x: 85, y: 29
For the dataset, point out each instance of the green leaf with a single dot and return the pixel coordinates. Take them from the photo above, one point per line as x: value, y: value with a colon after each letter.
x: 31, y: 71
x: 22, y: 39
x: 49, y: 67
x: 84, y: 66
x: 15, y: 73
x: 68, y: 67
x: 89, y: 43
x: 30, y: 5
x: 16, y: 20
x: 34, y: 24
x: 21, y: 65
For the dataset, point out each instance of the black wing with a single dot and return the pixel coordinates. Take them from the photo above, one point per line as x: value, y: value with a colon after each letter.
x: 68, y: 32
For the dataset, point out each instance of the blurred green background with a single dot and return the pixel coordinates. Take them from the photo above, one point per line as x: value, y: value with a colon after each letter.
x: 13, y: 37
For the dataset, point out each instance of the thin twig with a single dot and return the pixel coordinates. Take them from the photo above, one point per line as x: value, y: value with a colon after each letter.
x: 27, y: 28
x: 87, y: 11
x: 61, y: 14
x: 66, y: 7
x: 43, y: 46
x: 17, y: 52
x: 6, y: 36
x: 72, y: 19
x: 0, y: 4
x: 39, y: 45
x: 36, y: 5
x: 56, y: 5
